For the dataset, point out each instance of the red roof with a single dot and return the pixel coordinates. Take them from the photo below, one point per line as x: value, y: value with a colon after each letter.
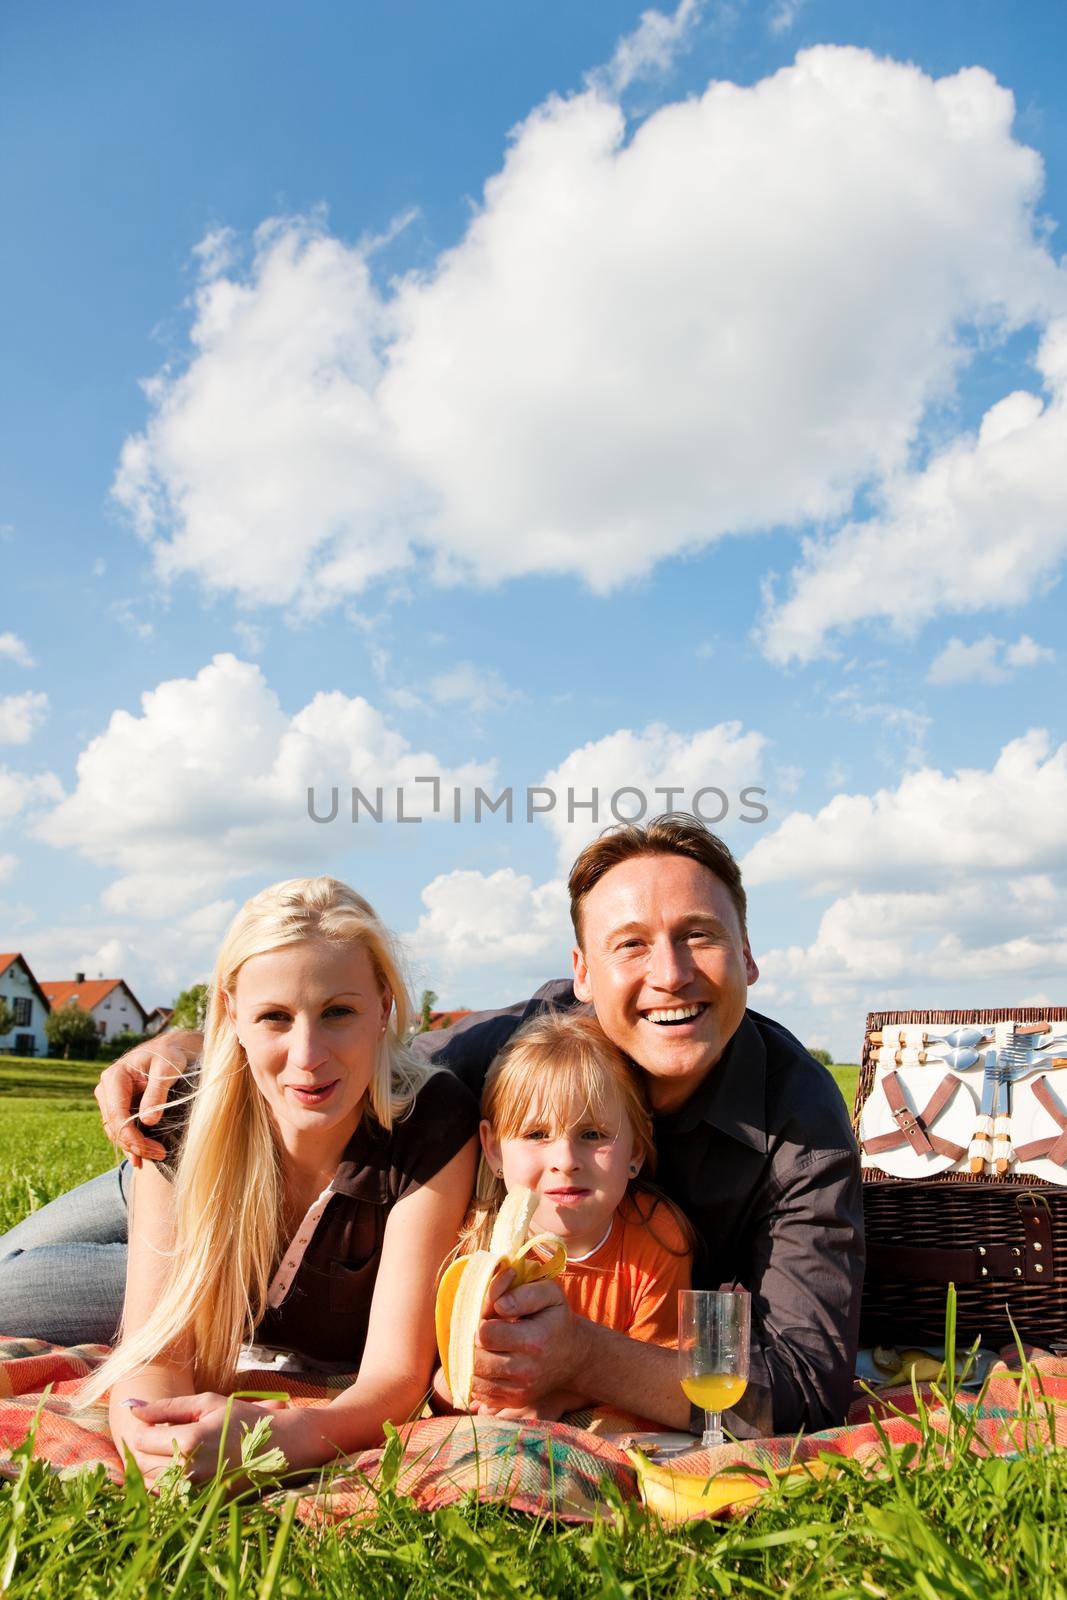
x: 88, y: 994
x: 445, y: 1019
x: 16, y: 955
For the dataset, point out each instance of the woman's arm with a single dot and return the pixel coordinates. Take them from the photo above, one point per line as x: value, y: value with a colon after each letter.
x: 398, y: 1357
x: 150, y: 1247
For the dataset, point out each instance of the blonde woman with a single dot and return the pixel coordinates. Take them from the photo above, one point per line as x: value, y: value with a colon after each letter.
x: 321, y: 1178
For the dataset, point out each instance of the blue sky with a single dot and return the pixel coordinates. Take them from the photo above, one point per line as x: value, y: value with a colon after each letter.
x: 537, y: 394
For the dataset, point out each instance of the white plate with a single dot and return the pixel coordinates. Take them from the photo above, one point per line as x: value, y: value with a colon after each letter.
x: 1030, y: 1121
x: 956, y: 1123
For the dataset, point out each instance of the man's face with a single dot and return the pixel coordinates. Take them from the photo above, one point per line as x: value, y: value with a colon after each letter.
x: 667, y: 968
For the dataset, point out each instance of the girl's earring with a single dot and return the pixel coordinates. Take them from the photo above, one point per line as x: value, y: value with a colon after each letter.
x: 500, y: 1173
x: 635, y: 1168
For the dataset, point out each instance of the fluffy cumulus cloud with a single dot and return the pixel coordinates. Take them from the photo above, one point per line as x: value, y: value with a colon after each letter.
x: 983, y: 525
x: 488, y: 938
x: 946, y: 890
x: 21, y: 715
x: 209, y: 783
x: 987, y: 660
x: 660, y: 770
x: 959, y: 946
x: 932, y: 826
x: 726, y: 318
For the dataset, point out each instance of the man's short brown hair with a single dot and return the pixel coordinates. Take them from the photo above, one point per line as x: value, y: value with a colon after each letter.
x: 675, y: 834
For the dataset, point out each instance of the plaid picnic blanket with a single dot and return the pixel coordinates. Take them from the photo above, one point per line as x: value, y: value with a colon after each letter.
x: 538, y: 1467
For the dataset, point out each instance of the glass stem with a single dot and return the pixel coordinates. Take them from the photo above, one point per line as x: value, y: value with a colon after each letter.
x: 712, y: 1429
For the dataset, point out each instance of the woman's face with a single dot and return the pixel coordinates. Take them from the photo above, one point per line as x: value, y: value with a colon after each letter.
x: 311, y: 1018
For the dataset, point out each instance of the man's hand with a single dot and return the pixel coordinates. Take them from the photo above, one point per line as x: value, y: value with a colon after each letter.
x: 147, y: 1070
x: 531, y: 1346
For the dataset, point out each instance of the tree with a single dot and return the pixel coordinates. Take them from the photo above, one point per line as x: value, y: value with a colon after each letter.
x: 190, y: 1008
x: 70, y: 1030
x: 7, y: 1017
x: 429, y: 1000
x: 822, y: 1055
x: 119, y: 1043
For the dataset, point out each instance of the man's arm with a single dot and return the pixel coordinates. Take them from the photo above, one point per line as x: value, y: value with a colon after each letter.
x: 145, y: 1074
x: 467, y: 1048
x: 549, y: 1348
x: 806, y: 1276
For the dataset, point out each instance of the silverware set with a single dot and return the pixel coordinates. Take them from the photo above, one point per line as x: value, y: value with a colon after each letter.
x: 1005, y: 1052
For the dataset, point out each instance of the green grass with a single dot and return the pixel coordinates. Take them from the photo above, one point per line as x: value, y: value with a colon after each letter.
x: 967, y: 1529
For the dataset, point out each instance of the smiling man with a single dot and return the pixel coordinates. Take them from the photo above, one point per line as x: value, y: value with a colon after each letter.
x: 752, y: 1136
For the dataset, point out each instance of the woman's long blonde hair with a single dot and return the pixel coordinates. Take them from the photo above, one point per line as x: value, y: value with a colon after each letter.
x: 562, y: 1066
x: 228, y: 1184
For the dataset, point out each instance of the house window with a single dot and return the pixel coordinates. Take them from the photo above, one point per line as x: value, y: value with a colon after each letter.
x: 21, y: 1009
x: 101, y: 1029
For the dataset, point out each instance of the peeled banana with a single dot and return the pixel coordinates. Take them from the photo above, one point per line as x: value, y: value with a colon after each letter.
x: 465, y: 1284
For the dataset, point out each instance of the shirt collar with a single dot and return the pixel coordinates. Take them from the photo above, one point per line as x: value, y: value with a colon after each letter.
x: 733, y: 1096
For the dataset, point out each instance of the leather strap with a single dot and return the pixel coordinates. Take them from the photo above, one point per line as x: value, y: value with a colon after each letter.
x: 1053, y: 1148
x: 914, y: 1127
x: 1032, y: 1260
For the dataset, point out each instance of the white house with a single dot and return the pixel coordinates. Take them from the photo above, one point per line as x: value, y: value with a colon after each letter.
x: 110, y: 1002
x: 28, y: 1001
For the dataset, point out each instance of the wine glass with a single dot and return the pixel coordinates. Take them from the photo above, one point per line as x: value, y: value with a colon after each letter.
x: 713, y: 1329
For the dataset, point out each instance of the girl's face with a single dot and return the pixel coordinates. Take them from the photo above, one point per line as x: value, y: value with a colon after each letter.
x: 311, y: 1018
x: 579, y: 1163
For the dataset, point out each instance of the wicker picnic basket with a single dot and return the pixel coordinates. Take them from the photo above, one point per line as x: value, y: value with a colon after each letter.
x: 1000, y: 1238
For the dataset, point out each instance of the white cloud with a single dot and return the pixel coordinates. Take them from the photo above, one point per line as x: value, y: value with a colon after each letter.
x: 656, y: 758
x: 911, y: 727
x: 951, y: 947
x: 783, y: 14
x: 933, y: 826
x: 99, y: 567
x: 22, y: 791
x: 778, y: 273
x: 21, y: 715
x: 650, y: 50
x: 13, y: 649
x: 8, y: 863
x: 982, y: 526
x: 252, y: 637
x: 486, y: 938
x: 125, y: 613
x: 210, y: 782
x: 986, y: 660
x: 180, y: 951
x: 478, y: 689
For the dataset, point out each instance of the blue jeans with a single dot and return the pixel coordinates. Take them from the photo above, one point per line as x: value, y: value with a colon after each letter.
x: 63, y: 1268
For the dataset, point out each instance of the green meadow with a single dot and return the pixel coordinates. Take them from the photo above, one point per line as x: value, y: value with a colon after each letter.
x: 968, y: 1528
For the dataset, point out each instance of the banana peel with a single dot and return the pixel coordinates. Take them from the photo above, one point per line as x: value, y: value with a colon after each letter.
x: 466, y: 1282
x: 902, y: 1366
x: 684, y: 1496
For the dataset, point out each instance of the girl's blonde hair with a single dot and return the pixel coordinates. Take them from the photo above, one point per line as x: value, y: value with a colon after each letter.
x: 228, y: 1184
x: 562, y: 1066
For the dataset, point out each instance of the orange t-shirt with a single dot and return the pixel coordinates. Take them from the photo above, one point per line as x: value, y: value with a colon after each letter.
x: 631, y: 1282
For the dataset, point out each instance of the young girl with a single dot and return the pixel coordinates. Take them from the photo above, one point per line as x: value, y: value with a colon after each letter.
x: 564, y: 1114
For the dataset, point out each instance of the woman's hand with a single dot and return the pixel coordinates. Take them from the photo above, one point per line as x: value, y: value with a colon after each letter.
x: 200, y: 1425
x: 148, y: 1071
